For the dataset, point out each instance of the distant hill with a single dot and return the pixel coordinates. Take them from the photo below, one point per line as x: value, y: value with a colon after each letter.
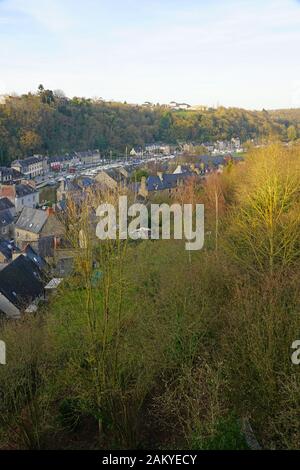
x: 47, y: 122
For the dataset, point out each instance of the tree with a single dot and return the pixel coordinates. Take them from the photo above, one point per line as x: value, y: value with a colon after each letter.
x: 264, y: 229
x: 292, y: 132
x: 30, y: 141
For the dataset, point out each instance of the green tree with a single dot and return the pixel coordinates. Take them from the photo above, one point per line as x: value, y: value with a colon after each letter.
x: 292, y: 132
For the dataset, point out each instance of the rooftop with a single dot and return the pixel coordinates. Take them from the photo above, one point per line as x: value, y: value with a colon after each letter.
x: 32, y: 220
x: 20, y: 282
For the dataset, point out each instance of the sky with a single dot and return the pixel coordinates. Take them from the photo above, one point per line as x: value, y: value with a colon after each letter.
x: 242, y: 53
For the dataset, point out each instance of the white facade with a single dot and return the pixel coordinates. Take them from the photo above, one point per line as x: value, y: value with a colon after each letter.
x: 30, y: 200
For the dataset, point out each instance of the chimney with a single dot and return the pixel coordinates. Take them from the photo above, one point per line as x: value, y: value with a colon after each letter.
x: 50, y: 211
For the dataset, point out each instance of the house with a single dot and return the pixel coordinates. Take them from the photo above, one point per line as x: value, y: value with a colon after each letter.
x: 106, y: 181
x: 21, y: 283
x: 162, y: 182
x: 179, y: 106
x: 59, y: 162
x: 90, y: 157
x: 35, y: 225
x: 7, y: 205
x: 6, y: 224
x: 31, y: 166
x: 21, y: 195
x: 9, y: 175
x: 67, y: 188
x: 7, y: 218
x: 157, y: 148
x: 56, y: 163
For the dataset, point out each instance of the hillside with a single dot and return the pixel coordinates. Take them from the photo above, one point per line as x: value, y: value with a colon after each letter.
x: 49, y: 123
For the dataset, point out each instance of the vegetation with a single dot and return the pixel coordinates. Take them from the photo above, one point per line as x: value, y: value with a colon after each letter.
x: 147, y: 345
x: 47, y: 122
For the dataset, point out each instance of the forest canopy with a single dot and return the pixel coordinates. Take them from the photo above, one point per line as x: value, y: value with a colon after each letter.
x: 48, y: 122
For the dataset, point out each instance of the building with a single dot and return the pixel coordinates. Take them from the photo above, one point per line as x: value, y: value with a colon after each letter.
x: 67, y: 188
x: 60, y: 162
x: 21, y: 283
x: 179, y: 106
x: 7, y: 205
x: 9, y: 175
x: 7, y: 218
x: 6, y: 225
x: 106, y: 182
x: 31, y: 166
x: 35, y: 225
x: 163, y: 182
x: 157, y: 148
x: 90, y: 157
x: 21, y: 195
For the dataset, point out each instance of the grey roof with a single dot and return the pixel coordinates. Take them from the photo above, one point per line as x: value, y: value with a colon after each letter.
x: 60, y: 158
x: 5, y: 171
x: 168, y: 181
x: 35, y: 257
x: 21, y: 282
x: 5, y: 204
x: 23, y: 190
x: 213, y: 160
x: 46, y: 246
x: 25, y: 162
x: 68, y: 185
x: 32, y: 220
x: 6, y: 218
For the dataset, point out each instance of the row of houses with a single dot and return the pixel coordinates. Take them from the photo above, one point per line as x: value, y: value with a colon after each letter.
x: 39, y: 165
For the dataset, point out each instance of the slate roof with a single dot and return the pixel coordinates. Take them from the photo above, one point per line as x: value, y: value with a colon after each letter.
x: 5, y: 204
x: 32, y: 220
x: 35, y: 257
x: 6, y: 218
x: 4, y: 170
x: 168, y: 181
x: 46, y: 246
x: 213, y: 160
x: 60, y: 158
x: 25, y: 162
x: 86, y: 182
x: 12, y: 172
x: 20, y: 282
x: 23, y: 190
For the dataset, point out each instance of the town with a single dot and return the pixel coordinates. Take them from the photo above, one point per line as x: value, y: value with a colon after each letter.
x: 33, y: 259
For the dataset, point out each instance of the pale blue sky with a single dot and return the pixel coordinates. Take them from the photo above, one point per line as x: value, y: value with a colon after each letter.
x: 229, y: 52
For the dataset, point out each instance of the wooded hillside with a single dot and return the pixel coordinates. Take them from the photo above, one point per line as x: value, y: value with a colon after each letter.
x: 47, y: 122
